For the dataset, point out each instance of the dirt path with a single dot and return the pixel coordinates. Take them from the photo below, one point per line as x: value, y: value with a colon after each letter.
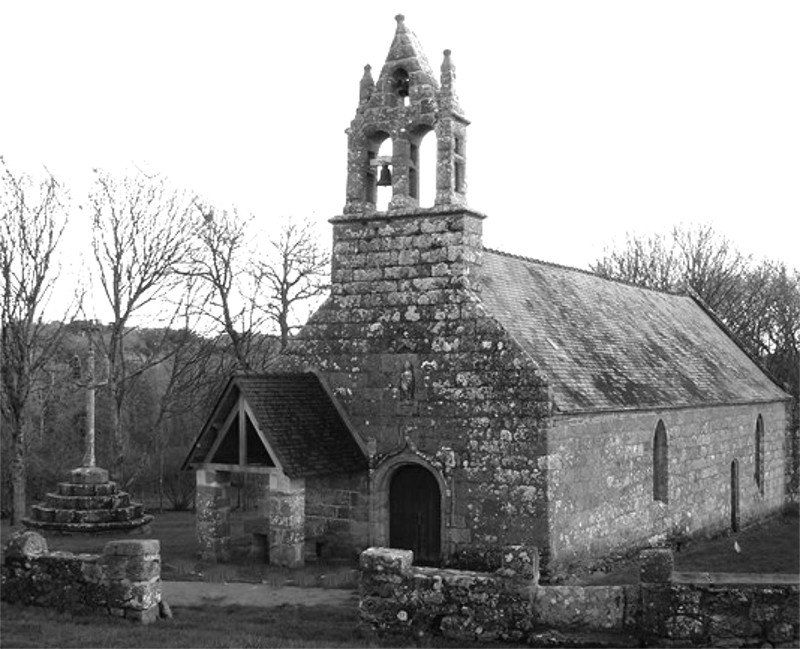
x: 200, y: 593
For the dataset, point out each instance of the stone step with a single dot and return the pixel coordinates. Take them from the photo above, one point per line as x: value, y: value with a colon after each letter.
x: 115, y: 501
x: 73, y: 489
x: 91, y: 528
x: 63, y: 516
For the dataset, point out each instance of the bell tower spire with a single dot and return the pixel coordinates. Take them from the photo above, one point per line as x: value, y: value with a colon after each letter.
x: 404, y: 104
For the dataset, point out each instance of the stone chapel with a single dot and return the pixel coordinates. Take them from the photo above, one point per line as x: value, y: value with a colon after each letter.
x: 451, y: 399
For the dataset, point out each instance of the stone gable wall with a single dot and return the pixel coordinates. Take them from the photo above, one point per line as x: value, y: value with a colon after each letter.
x: 409, y: 351
x: 601, y: 468
x: 124, y: 581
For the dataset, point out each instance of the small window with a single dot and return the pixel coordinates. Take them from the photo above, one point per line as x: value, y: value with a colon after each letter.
x: 660, y: 464
x: 759, y: 455
x: 401, y: 84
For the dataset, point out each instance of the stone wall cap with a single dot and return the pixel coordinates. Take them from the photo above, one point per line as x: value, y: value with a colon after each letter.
x: 742, y: 579
x: 131, y: 547
x: 25, y: 544
x: 407, y: 212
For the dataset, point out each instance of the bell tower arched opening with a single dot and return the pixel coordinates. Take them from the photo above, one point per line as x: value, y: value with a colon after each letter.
x: 422, y: 169
x: 383, y: 170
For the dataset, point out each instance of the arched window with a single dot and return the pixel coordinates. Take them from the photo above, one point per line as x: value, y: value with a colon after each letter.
x: 759, y: 455
x: 735, y: 496
x: 660, y: 464
x: 401, y: 85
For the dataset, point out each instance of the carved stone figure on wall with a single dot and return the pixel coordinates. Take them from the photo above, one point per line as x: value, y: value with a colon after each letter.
x: 407, y: 381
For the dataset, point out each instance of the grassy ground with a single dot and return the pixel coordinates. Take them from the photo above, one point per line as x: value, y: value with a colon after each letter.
x: 210, y: 626
x: 771, y: 547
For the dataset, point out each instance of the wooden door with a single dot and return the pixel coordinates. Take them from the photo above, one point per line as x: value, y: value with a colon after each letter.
x: 415, y: 514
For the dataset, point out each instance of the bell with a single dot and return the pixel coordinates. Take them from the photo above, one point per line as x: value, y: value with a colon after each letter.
x: 386, y: 177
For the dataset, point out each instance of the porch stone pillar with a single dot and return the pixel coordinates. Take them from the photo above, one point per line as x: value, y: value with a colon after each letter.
x: 213, y: 506
x: 287, y: 517
x: 258, y: 526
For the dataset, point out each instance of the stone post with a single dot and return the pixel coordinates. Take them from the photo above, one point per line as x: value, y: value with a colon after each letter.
x: 287, y: 509
x: 213, y: 515
x: 655, y: 574
x: 655, y: 565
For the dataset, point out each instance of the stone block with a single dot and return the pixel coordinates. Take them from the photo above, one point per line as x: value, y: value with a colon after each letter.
x: 130, y: 547
x: 782, y: 632
x: 44, y: 514
x: 655, y: 565
x: 289, y: 555
x: 24, y: 545
x: 520, y: 561
x: 63, y: 516
x: 143, y: 568
x: 386, y: 560
x: 146, y: 616
x: 88, y: 475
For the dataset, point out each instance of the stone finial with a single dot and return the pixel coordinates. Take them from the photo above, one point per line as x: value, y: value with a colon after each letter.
x: 448, y: 73
x: 367, y: 85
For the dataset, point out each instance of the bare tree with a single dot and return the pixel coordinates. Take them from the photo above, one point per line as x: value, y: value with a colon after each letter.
x: 292, y: 275
x: 222, y: 261
x: 689, y: 257
x: 140, y: 237
x: 33, y: 221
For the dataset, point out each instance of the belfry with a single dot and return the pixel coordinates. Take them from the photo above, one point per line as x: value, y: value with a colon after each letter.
x: 405, y: 104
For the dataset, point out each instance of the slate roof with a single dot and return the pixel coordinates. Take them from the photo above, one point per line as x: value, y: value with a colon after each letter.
x: 608, y: 345
x: 306, y: 432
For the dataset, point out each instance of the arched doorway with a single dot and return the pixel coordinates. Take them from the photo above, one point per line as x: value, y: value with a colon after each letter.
x: 415, y: 513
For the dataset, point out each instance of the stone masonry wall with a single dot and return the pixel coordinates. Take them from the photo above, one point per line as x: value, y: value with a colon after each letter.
x: 400, y: 600
x: 125, y: 580
x: 337, y: 516
x: 720, y: 610
x: 411, y: 354
x: 601, y: 467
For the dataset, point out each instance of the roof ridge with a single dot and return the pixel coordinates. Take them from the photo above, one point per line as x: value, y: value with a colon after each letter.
x: 553, y: 264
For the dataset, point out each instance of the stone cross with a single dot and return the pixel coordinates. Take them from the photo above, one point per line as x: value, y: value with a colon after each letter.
x: 91, y: 385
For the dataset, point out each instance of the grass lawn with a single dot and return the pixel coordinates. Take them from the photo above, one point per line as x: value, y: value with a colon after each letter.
x: 770, y: 547
x: 209, y: 626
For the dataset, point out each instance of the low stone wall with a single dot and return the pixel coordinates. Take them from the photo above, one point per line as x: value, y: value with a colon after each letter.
x: 717, y: 609
x: 666, y: 608
x: 399, y: 599
x: 125, y: 580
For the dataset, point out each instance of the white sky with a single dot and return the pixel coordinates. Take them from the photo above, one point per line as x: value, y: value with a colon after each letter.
x: 589, y: 119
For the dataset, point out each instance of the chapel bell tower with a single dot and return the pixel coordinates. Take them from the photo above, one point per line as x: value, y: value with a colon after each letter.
x: 405, y: 104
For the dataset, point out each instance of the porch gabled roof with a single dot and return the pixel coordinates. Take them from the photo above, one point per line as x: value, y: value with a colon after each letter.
x: 303, y: 426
